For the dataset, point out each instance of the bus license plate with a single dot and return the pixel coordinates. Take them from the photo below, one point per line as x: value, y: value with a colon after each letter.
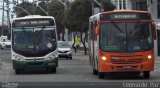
x: 127, y: 66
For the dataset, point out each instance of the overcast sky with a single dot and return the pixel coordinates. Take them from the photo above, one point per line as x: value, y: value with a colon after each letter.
x: 11, y: 5
x: 5, y: 15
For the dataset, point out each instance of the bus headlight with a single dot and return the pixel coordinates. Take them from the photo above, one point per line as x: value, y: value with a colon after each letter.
x: 50, y: 57
x: 103, y: 58
x: 149, y: 57
x: 18, y: 58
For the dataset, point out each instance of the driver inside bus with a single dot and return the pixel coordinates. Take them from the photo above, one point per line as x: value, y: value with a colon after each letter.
x: 142, y: 37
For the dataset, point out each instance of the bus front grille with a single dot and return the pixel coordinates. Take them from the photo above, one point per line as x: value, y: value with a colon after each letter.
x: 35, y: 63
x: 126, y: 61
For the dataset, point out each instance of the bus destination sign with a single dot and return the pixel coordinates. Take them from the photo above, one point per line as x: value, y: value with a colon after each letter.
x: 125, y: 16
x: 33, y: 22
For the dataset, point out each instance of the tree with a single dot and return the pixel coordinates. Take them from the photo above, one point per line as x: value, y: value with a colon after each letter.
x: 27, y: 6
x: 42, y: 5
x: 107, y: 5
x: 77, y: 16
x: 56, y: 9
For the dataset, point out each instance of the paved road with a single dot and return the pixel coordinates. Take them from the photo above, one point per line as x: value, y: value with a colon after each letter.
x: 75, y: 70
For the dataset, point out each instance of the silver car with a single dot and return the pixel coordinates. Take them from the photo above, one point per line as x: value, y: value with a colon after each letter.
x: 64, y: 50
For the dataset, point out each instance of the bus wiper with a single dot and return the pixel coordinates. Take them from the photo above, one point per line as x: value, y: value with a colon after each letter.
x: 119, y: 29
x: 41, y: 30
x: 37, y: 39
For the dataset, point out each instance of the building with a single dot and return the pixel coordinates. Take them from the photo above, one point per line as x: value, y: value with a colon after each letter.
x: 153, y: 6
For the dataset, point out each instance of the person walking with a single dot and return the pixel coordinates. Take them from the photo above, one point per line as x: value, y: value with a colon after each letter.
x: 78, y: 42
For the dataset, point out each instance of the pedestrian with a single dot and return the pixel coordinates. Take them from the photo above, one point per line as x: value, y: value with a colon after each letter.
x: 78, y: 42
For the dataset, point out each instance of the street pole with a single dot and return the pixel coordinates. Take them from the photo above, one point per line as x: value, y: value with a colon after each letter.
x: 33, y: 7
x: 2, y: 19
x: 66, y: 30
x: 92, y: 2
x: 8, y: 15
x: 47, y: 1
x: 96, y: 10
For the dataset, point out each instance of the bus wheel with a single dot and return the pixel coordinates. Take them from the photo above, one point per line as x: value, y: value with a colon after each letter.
x: 17, y: 71
x: 95, y: 72
x: 101, y: 75
x: 53, y: 69
x: 146, y: 74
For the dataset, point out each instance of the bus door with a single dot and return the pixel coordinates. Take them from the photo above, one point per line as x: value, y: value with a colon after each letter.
x: 158, y: 34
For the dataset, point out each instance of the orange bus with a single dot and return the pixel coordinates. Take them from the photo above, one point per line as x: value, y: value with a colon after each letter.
x: 122, y: 41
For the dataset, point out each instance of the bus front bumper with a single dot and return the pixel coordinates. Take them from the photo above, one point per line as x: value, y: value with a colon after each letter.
x: 141, y: 67
x: 35, y: 64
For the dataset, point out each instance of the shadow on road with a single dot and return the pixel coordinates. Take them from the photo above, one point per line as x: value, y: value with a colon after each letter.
x: 123, y: 76
x: 35, y: 72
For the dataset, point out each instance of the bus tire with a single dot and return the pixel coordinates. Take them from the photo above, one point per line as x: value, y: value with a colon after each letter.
x: 95, y: 72
x: 53, y: 69
x: 101, y: 75
x: 17, y: 71
x: 146, y: 74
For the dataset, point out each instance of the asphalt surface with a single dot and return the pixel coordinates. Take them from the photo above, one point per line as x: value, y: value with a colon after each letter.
x: 76, y: 70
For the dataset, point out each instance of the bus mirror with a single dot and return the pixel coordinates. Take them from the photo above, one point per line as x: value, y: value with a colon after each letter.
x: 97, y: 30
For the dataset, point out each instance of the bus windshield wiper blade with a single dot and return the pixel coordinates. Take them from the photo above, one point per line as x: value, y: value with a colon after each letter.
x: 119, y: 29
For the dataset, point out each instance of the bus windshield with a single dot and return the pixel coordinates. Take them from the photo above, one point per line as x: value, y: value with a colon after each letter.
x: 33, y: 41
x: 126, y: 37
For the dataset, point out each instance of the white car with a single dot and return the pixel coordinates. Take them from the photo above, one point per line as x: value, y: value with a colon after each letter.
x: 64, y: 50
x: 4, y: 42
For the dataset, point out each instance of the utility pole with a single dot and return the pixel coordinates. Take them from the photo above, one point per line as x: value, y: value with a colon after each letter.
x: 47, y: 1
x: 34, y: 9
x: 96, y: 9
x: 2, y: 19
x: 8, y: 15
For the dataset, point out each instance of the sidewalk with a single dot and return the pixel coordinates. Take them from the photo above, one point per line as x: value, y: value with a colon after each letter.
x: 157, y: 59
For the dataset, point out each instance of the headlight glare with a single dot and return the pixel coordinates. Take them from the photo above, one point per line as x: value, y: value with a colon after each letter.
x: 103, y: 58
x: 149, y: 57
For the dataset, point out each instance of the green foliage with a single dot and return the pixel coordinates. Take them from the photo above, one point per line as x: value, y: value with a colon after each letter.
x: 77, y: 15
x: 56, y: 9
x: 26, y: 6
x: 107, y: 5
x: 39, y: 11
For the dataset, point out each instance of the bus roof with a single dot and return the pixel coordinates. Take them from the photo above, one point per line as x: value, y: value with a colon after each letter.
x: 32, y: 16
x: 125, y: 11
x: 97, y: 16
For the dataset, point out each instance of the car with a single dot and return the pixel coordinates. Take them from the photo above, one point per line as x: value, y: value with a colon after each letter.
x: 64, y: 50
x: 5, y: 43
